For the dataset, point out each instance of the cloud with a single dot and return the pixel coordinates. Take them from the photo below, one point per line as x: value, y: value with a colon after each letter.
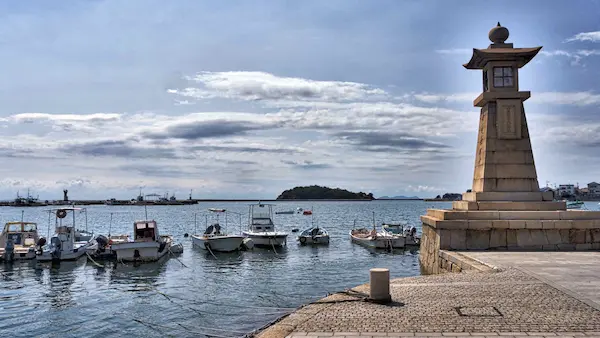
x: 585, y: 98
x: 574, y: 56
x: 257, y: 86
x: 306, y: 164
x: 436, y: 98
x: 121, y: 148
x: 195, y: 130
x: 256, y: 148
x: 424, y: 188
x: 389, y: 142
x: 586, y: 36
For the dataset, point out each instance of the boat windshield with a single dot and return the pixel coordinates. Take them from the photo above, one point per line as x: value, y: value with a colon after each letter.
x: 14, y: 227
x: 29, y: 227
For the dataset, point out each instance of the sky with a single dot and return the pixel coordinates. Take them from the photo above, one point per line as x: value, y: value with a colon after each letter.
x: 244, y: 99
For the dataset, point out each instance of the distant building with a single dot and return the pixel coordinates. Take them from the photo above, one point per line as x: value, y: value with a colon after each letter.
x: 566, y: 190
x: 593, y: 188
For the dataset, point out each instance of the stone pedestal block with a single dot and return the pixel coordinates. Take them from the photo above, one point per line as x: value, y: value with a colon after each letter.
x: 379, y: 282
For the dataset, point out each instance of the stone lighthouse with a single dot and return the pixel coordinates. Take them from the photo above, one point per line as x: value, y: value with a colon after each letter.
x: 505, y: 209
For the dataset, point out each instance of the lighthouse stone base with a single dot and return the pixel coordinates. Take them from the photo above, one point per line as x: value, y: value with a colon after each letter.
x: 490, y: 225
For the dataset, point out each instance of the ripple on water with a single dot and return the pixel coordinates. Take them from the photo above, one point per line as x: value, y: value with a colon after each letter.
x: 235, y: 292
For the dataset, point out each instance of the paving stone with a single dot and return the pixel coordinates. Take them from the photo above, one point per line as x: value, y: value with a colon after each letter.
x: 527, y: 306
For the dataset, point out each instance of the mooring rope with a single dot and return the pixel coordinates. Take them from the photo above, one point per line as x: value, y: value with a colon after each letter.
x: 93, y: 261
x: 207, y: 246
x: 273, y: 246
x: 173, y: 255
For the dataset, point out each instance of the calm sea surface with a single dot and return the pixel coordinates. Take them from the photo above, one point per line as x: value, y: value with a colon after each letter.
x: 196, y: 293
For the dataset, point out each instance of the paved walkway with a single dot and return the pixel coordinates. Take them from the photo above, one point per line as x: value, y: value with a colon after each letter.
x: 512, y: 302
x: 576, y: 273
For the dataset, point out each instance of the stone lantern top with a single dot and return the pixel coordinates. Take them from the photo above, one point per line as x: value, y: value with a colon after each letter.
x: 499, y: 50
x: 498, y: 34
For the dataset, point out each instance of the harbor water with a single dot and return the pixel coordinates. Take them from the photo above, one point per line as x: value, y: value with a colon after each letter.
x: 195, y: 293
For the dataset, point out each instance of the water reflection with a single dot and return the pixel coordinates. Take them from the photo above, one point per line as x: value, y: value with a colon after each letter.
x: 61, y: 278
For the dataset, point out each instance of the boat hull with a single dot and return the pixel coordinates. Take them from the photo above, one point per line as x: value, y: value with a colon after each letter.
x: 140, y: 251
x: 218, y: 243
x: 267, y: 239
x: 380, y: 242
x: 78, y: 252
x: 20, y: 253
x: 309, y: 240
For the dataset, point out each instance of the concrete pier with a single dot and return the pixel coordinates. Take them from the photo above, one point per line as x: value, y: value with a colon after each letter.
x: 517, y: 294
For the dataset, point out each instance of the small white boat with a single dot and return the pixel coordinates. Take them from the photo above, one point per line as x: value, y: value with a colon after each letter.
x: 261, y: 228
x: 216, y: 210
x: 376, y: 240
x: 18, y: 241
x: 147, y: 245
x: 62, y: 246
x: 214, y: 240
x: 410, y: 233
x: 314, y: 235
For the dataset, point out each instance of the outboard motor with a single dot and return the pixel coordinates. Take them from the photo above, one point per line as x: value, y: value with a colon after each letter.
x: 39, y: 245
x: 9, y: 253
x: 57, y: 245
x: 102, y: 242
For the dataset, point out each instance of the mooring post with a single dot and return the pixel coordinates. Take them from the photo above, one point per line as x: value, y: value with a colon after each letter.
x: 379, y: 281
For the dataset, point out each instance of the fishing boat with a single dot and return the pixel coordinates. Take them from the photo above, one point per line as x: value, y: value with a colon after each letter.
x: 261, y: 228
x: 213, y: 239
x: 216, y: 210
x: 409, y: 233
x: 63, y: 246
x: 313, y: 235
x: 18, y: 241
x: 102, y: 247
x: 147, y: 245
x: 376, y: 240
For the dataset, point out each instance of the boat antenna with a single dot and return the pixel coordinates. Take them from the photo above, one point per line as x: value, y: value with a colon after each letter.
x: 373, y: 220
x: 145, y: 212
x: 195, y: 226
x: 225, y: 221
x: 22, y: 213
x: 49, y: 219
x: 85, y: 212
x: 109, y: 224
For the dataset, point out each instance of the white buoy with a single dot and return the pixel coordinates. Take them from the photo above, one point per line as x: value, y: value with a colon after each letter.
x: 379, y: 281
x: 247, y: 244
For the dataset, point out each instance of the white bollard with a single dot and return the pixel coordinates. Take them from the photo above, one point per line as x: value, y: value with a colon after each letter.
x: 379, y: 280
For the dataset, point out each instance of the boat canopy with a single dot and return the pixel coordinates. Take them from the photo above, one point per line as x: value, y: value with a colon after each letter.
x: 145, y: 224
x: 66, y: 209
x: 20, y: 227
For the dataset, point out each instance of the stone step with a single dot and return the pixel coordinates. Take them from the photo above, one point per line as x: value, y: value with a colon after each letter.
x: 443, y: 214
x: 532, y: 223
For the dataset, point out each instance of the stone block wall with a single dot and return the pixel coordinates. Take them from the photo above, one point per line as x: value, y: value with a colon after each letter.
x: 435, y: 241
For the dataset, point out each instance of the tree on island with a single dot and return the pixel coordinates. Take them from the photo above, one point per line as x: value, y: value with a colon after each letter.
x: 322, y: 193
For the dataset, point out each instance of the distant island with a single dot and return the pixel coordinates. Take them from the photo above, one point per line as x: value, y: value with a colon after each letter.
x: 447, y: 197
x: 315, y: 192
x: 399, y: 198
